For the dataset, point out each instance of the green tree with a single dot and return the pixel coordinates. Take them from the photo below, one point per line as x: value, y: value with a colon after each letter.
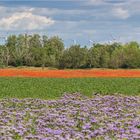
x: 132, y: 55
x: 35, y: 41
x: 55, y: 48
x: 117, y: 58
x: 99, y: 56
x: 74, y: 57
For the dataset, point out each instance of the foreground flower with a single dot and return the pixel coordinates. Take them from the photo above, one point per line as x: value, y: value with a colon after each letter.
x: 73, y: 116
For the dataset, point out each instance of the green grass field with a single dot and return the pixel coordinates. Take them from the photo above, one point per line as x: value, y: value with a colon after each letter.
x: 51, y: 88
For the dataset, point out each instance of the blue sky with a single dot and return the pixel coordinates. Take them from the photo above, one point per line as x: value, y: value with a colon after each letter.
x: 79, y: 20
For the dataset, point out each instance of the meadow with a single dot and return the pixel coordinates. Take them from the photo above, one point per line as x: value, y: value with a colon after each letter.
x: 95, y: 104
x: 69, y: 108
x: 52, y: 88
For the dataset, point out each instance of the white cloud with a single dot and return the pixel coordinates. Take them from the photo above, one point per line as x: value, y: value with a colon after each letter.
x: 25, y: 20
x: 121, y: 13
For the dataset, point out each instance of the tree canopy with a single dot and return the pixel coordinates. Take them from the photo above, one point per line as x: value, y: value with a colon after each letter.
x: 42, y: 51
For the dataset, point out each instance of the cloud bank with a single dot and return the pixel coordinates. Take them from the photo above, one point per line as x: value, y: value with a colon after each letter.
x: 80, y: 20
x: 24, y: 20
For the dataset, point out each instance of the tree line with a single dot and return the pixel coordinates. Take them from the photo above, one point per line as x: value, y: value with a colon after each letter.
x: 44, y: 51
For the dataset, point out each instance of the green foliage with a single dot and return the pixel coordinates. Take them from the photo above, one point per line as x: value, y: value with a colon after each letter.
x: 99, y: 56
x: 55, y: 47
x: 74, y: 57
x: 32, y: 50
x: 41, y: 51
x: 132, y: 55
x: 117, y: 58
x: 51, y: 88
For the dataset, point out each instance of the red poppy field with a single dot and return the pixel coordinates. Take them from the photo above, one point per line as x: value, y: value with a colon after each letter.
x: 25, y: 72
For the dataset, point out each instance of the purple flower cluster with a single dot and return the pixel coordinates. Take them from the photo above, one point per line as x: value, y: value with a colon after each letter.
x: 72, y: 117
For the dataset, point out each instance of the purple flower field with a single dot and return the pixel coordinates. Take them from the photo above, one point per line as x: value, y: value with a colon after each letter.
x: 72, y: 117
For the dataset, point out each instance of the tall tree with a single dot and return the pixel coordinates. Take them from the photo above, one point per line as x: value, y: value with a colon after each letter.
x: 132, y: 55
x: 99, y: 56
x: 74, y: 57
x: 55, y: 48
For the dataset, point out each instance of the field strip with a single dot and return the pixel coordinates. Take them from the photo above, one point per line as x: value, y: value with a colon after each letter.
x: 68, y: 73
